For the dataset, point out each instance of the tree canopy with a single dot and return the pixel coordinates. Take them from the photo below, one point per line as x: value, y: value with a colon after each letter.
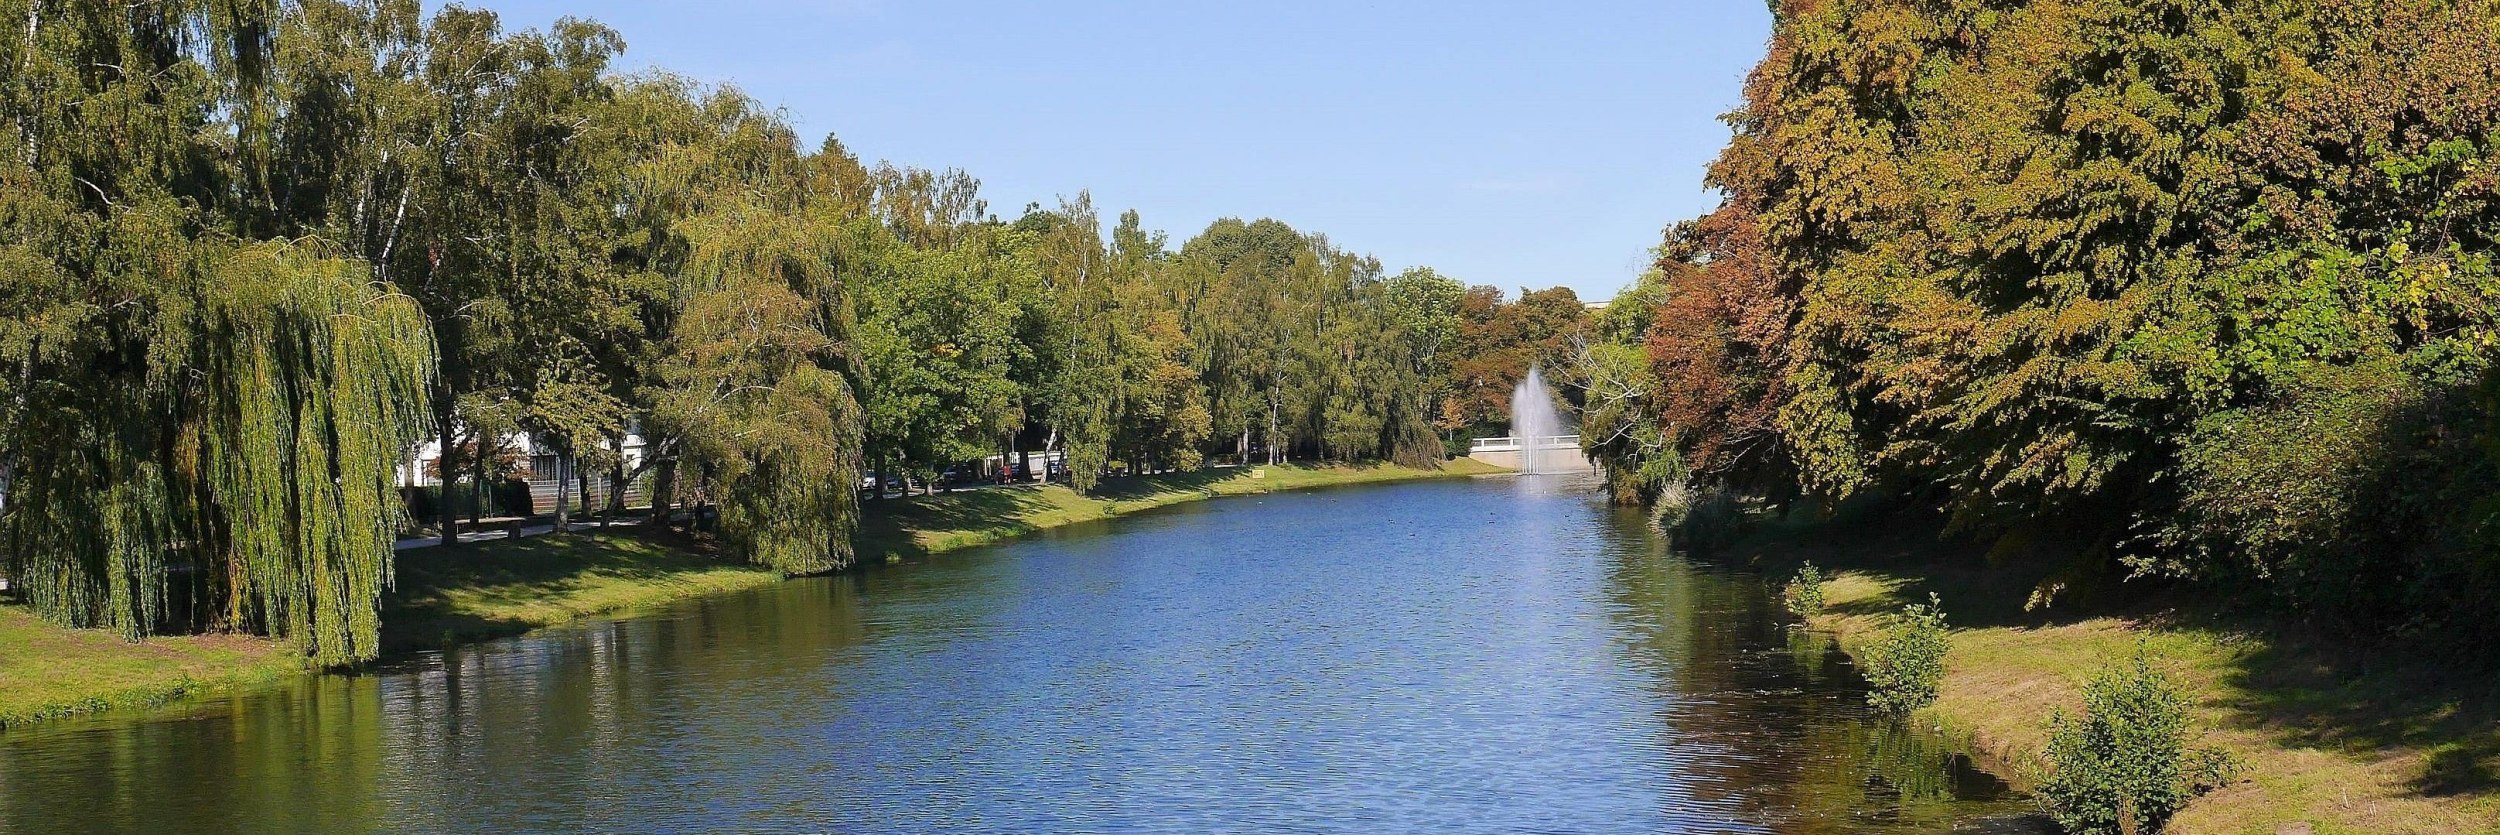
x: 2202, y: 276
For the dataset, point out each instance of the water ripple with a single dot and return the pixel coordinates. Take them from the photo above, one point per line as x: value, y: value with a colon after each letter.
x: 1489, y: 656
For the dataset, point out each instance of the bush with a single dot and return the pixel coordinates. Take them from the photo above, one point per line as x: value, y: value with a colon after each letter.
x: 1711, y: 521
x: 2387, y: 528
x: 2124, y: 766
x: 511, y: 497
x: 1905, y: 666
x: 1804, y: 593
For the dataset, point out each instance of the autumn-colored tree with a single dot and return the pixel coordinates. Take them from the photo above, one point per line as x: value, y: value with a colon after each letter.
x: 2111, y: 263
x: 1495, y: 344
x: 1719, y: 347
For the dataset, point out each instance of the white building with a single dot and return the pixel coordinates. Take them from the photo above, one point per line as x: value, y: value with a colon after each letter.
x: 539, y: 466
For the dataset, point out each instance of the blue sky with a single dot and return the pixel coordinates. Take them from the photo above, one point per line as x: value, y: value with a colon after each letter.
x: 1513, y: 144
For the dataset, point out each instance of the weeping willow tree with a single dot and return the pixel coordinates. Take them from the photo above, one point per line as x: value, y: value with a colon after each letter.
x: 311, y: 383
x: 197, y: 430
x: 230, y: 464
x: 756, y: 389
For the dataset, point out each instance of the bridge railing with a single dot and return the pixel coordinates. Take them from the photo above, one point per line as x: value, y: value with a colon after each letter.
x: 1542, y: 442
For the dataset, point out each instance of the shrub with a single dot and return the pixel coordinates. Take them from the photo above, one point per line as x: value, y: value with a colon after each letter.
x: 510, y: 497
x: 2124, y: 765
x: 1711, y: 520
x: 1804, y: 594
x: 1905, y: 666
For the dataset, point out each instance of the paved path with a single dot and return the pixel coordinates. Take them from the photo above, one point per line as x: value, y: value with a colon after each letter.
x: 493, y: 532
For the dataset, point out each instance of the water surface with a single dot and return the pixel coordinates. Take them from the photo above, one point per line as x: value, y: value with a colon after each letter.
x: 1496, y: 655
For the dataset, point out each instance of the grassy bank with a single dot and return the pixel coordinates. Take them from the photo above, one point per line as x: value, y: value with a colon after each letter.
x: 444, y: 595
x: 508, y: 587
x: 505, y: 587
x: 47, y: 671
x: 2338, y: 739
x: 924, y: 525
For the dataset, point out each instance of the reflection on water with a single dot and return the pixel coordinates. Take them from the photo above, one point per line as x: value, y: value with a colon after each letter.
x: 1496, y: 655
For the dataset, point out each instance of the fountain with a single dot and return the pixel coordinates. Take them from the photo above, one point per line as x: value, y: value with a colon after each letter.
x: 1533, y: 420
x: 1539, y: 443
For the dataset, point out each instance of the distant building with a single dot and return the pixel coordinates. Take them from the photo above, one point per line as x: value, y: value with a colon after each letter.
x: 539, y: 466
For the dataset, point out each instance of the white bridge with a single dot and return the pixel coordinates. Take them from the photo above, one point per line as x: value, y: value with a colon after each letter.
x: 1542, y: 454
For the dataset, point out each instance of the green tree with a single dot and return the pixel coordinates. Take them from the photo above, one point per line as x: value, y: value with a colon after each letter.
x: 939, y: 339
x: 179, y: 394
x: 2092, y: 262
x: 757, y: 388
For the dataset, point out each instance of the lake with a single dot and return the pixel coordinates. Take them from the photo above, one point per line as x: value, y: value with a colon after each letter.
x: 1488, y: 655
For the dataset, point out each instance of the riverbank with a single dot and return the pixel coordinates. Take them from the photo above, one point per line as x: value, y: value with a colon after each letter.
x: 505, y: 587
x: 896, y: 529
x: 444, y: 596
x: 2336, y: 739
x: 48, y: 672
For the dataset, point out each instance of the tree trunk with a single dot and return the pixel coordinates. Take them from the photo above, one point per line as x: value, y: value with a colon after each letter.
x: 564, y: 491
x: 878, y: 481
x: 664, y: 494
x: 26, y: 69
x: 616, y: 481
x: 581, y: 480
x: 446, y: 471
x: 1050, y: 446
x: 477, y: 481
x: 1271, y: 430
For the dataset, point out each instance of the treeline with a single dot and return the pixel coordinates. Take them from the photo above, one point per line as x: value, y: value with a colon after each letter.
x: 254, y: 253
x: 2211, y: 282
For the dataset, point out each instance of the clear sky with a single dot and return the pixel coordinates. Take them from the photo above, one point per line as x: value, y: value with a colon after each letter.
x: 1517, y: 144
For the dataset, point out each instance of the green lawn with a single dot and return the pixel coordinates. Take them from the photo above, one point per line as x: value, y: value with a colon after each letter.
x: 47, y: 671
x: 445, y: 595
x: 2346, y: 740
x: 506, y: 587
x: 924, y: 525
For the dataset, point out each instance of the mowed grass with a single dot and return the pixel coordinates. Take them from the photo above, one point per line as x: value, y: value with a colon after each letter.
x: 47, y: 671
x: 445, y: 595
x: 2345, y: 740
x: 924, y: 525
x: 505, y: 587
